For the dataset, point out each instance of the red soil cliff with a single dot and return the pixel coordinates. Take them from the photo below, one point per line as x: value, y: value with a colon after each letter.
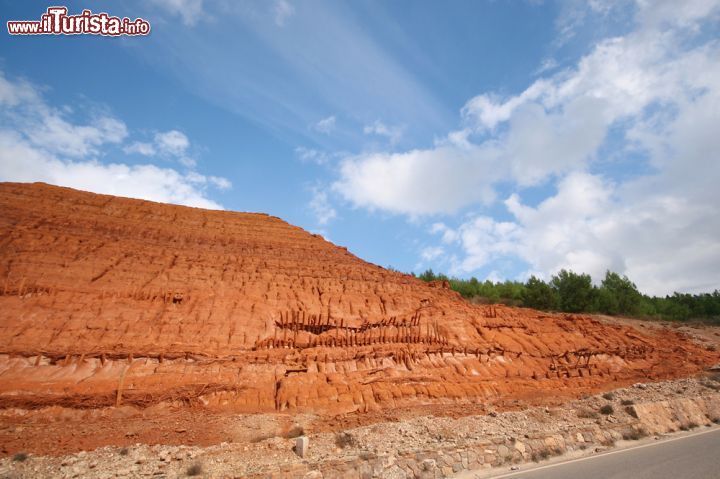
x: 107, y: 301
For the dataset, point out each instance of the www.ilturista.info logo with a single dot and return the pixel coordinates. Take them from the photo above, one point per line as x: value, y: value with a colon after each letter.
x: 57, y: 22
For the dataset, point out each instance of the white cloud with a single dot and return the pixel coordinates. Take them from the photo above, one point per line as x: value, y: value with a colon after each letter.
x: 663, y: 242
x: 655, y: 90
x: 392, y: 133
x: 686, y: 14
x: 326, y: 125
x: 39, y: 143
x: 282, y: 10
x: 20, y: 161
x: 56, y: 134
x: 488, y: 110
x: 309, y: 155
x: 483, y: 240
x: 141, y: 148
x: 547, y: 65
x: 432, y: 253
x: 190, y: 11
x: 448, y: 234
x: 49, y: 128
x: 172, y: 142
x: 419, y: 182
x: 220, y: 182
x: 321, y: 207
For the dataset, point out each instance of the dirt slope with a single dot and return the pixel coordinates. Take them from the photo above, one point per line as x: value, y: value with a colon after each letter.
x: 109, y: 301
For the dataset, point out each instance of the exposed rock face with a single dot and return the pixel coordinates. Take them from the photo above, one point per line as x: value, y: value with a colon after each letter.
x: 108, y: 301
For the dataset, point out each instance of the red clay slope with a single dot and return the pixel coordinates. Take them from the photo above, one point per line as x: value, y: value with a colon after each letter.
x: 108, y: 301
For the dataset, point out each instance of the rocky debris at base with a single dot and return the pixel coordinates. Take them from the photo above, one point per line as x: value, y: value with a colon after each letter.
x: 421, y: 447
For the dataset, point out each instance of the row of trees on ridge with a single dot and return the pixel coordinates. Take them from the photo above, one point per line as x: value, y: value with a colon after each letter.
x: 575, y: 293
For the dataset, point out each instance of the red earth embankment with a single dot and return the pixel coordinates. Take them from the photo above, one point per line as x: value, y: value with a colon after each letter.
x: 108, y: 301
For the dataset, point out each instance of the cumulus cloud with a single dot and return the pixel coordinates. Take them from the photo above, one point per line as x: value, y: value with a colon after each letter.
x: 553, y: 127
x: 432, y: 253
x: 647, y: 99
x: 49, y: 128
x: 419, y: 182
x: 326, y: 125
x: 172, y: 144
x: 40, y: 143
x: 321, y: 207
x: 311, y: 155
x: 140, y: 148
x: 664, y: 242
x: 392, y: 133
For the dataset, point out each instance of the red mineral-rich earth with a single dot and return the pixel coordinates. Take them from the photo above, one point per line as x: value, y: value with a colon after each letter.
x: 109, y: 303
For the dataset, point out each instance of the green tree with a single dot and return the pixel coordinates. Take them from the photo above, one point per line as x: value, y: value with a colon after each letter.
x: 618, y: 295
x: 539, y: 295
x: 428, y: 275
x: 576, y: 291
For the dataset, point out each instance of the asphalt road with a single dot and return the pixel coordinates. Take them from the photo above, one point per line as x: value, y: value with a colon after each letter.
x: 689, y: 457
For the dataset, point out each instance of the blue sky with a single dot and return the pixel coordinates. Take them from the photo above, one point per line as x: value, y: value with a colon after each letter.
x: 490, y: 138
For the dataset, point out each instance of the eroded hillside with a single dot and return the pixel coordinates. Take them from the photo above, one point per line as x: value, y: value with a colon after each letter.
x: 110, y: 301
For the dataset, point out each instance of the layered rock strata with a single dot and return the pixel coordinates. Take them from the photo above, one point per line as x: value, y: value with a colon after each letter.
x: 108, y: 301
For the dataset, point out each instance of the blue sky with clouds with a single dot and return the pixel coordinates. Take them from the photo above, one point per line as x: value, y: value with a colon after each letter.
x: 486, y: 138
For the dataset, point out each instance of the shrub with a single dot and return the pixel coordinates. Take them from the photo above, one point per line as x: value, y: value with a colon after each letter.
x: 607, y: 410
x: 608, y: 442
x: 634, y: 435
x: 608, y: 396
x: 20, y: 457
x: 194, y: 470
x: 627, y: 402
x: 693, y: 425
x: 587, y: 414
x: 295, y: 431
x: 344, y: 439
x: 124, y: 451
x: 544, y: 453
